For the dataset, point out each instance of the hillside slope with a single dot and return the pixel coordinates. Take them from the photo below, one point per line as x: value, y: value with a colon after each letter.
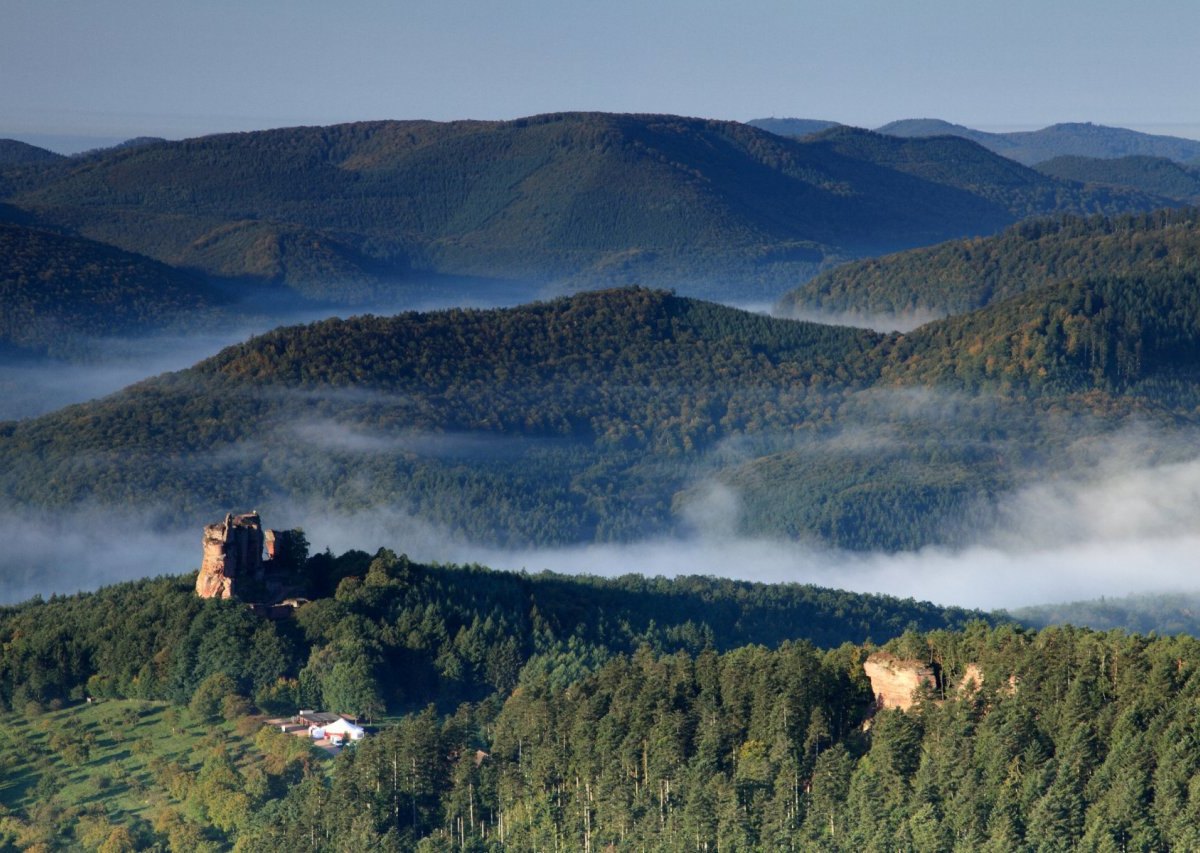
x: 1080, y: 139
x: 13, y: 152
x: 551, y: 707
x: 615, y: 415
x: 555, y: 422
x: 961, y: 276
x: 1136, y: 335
x: 55, y: 289
x: 1156, y: 175
x: 580, y: 197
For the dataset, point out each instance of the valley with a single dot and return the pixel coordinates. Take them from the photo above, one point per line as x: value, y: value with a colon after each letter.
x: 599, y: 558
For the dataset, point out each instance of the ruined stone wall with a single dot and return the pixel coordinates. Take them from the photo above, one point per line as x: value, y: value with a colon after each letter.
x: 895, y: 681
x: 233, y: 549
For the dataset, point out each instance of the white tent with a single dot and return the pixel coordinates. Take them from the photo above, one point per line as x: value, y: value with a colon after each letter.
x: 345, y: 728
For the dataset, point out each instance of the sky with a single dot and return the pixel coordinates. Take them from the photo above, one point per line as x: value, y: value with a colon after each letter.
x: 113, y: 69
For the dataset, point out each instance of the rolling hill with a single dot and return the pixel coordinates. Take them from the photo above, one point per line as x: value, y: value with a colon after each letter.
x: 614, y: 415
x: 961, y: 276
x: 964, y: 165
x: 1156, y: 175
x: 793, y: 126
x: 13, y: 152
x: 1080, y: 139
x: 56, y: 289
x: 576, y: 198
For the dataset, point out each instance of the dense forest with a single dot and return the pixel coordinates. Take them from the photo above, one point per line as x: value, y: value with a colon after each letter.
x: 545, y: 712
x: 607, y: 416
x: 458, y: 633
x: 1156, y: 175
x: 961, y: 276
x: 345, y: 212
x: 56, y: 289
x: 387, y: 639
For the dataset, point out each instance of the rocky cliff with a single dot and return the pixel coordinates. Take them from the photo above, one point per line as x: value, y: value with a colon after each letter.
x: 895, y: 681
x: 233, y: 552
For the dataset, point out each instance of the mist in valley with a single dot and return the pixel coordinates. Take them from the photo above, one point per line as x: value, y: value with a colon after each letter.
x: 1125, y: 520
x: 876, y: 322
x: 32, y: 386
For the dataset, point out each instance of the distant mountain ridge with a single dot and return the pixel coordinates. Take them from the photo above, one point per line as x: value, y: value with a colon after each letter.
x: 1028, y: 147
x: 967, y: 166
x: 1081, y: 139
x: 16, y: 153
x: 577, y: 198
x: 793, y: 126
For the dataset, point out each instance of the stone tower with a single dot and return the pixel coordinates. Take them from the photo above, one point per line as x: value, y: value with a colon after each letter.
x: 233, y: 552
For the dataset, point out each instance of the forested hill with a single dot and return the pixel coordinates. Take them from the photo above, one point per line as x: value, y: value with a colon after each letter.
x: 963, y: 164
x: 534, y: 711
x: 1156, y: 175
x: 1165, y: 614
x: 615, y: 415
x: 56, y: 289
x: 1133, y: 335
x: 553, y: 422
x: 1081, y: 139
x: 964, y: 275
x: 458, y: 633
x: 16, y: 153
x: 581, y: 197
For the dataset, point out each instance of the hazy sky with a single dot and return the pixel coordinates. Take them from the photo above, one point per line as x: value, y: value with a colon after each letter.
x: 186, y: 67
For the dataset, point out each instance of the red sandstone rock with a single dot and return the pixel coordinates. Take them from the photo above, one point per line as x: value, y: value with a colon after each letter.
x: 233, y: 550
x: 895, y: 682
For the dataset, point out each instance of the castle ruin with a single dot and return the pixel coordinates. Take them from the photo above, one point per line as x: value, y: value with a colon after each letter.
x: 233, y: 552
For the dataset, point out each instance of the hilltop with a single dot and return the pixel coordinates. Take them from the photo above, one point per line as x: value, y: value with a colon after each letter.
x: 16, y: 153
x: 793, y: 126
x: 612, y: 415
x: 1080, y: 139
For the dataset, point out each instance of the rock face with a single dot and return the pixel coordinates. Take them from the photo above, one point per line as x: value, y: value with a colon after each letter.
x: 972, y: 680
x: 894, y: 681
x: 233, y: 551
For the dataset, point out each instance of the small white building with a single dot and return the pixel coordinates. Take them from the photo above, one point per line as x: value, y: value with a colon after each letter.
x: 345, y: 730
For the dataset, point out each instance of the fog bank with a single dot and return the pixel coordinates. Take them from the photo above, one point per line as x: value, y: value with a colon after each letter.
x: 1120, y: 531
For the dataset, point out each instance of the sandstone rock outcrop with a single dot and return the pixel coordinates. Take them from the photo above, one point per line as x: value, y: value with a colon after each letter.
x: 895, y: 681
x: 972, y: 680
x: 233, y: 552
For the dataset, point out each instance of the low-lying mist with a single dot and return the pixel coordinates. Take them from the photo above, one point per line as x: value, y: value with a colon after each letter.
x: 1119, y: 531
x: 904, y: 322
x: 1124, y: 519
x: 31, y: 387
